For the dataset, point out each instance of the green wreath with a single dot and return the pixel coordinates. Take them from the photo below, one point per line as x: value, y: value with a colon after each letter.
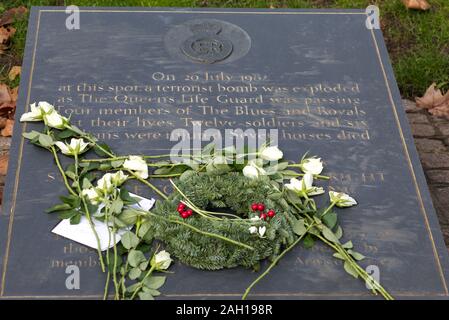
x: 233, y: 194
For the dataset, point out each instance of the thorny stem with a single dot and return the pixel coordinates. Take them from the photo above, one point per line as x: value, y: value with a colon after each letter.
x: 317, y: 176
x: 71, y: 191
x: 339, y: 249
x: 142, y: 282
x: 114, y: 275
x: 88, y: 216
x: 275, y: 261
x: 163, y: 195
x: 108, y: 277
x: 61, y: 170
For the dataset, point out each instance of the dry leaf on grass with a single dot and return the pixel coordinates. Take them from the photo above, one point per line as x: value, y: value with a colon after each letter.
x: 7, y: 130
x: 13, y: 14
x: 14, y: 93
x: 6, y: 33
x: 3, y: 123
x: 7, y: 110
x: 433, y: 98
x: 5, y: 96
x: 417, y: 4
x: 3, y: 164
x: 435, y: 101
x: 7, y: 104
x: 14, y: 72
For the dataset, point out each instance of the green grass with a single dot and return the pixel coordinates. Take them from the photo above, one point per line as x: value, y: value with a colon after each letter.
x: 418, y: 42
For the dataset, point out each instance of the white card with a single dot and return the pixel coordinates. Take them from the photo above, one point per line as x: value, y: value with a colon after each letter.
x: 82, y: 232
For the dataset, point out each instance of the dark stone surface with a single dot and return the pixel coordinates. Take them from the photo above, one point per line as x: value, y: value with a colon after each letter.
x: 394, y: 225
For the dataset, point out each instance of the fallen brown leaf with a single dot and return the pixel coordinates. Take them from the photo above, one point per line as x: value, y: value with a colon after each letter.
x: 434, y: 101
x: 432, y: 98
x: 14, y: 72
x: 13, y: 14
x: 3, y: 123
x: 417, y: 4
x: 7, y: 110
x: 14, y: 93
x: 6, y: 33
x: 7, y: 130
x: 442, y: 111
x: 3, y: 164
x: 7, y: 102
x: 4, y: 93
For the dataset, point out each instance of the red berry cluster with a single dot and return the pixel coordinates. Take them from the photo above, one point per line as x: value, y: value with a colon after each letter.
x: 183, y: 212
x: 261, y: 208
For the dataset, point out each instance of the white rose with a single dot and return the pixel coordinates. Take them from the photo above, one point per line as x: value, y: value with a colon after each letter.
x: 45, y: 107
x: 138, y: 165
x: 271, y: 153
x: 92, y: 195
x: 341, y: 199
x: 76, y: 146
x: 252, y: 229
x: 250, y: 172
x: 262, y: 231
x: 105, y: 183
x: 55, y: 120
x: 253, y: 170
x: 38, y: 112
x: 34, y: 115
x: 304, y: 186
x: 312, y: 165
x: 161, y: 260
x: 119, y: 178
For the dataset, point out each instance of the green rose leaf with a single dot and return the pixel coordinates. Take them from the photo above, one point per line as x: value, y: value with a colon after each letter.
x: 117, y: 163
x: 31, y: 135
x: 135, y: 257
x: 350, y: 269
x: 145, y: 296
x: 129, y: 240
x: 330, y: 220
x: 67, y: 214
x: 45, y: 140
x: 356, y: 255
x: 128, y: 217
x: 75, y: 219
x: 348, y: 245
x: 154, y: 282
x: 100, y: 152
x: 339, y: 256
x: 144, y: 227
x: 308, y: 241
x: 329, y: 235
x: 153, y: 292
x: 134, y: 273
x: 339, y: 232
x: 117, y: 206
x: 125, y: 196
x: 299, y: 227
x: 59, y: 207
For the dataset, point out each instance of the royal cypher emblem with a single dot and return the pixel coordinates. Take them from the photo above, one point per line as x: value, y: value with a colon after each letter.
x: 206, y: 45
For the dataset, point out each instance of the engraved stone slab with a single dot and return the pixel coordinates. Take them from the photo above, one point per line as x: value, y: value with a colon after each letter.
x: 321, y: 78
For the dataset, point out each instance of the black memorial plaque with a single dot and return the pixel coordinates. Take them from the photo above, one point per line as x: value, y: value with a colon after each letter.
x: 322, y: 78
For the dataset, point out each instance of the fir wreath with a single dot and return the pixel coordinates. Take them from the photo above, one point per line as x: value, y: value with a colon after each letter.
x: 232, y: 192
